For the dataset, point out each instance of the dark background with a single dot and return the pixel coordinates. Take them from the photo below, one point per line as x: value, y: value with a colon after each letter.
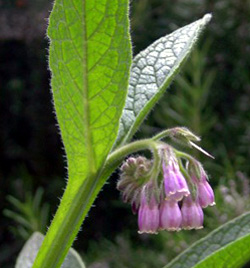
x: 215, y: 104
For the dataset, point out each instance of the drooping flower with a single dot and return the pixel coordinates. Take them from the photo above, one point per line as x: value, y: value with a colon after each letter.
x: 148, y: 215
x: 174, y: 182
x: 170, y: 216
x: 157, y: 195
x: 192, y: 214
x: 205, y: 194
x: 205, y: 191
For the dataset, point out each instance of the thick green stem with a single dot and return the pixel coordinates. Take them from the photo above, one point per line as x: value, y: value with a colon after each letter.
x: 66, y: 224
x: 72, y: 211
x: 132, y: 147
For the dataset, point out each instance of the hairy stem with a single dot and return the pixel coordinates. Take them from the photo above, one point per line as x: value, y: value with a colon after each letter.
x: 163, y: 134
x: 184, y: 155
x: 72, y: 212
x: 132, y: 147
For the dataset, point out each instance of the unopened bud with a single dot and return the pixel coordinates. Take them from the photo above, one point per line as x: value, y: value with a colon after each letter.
x: 125, y: 167
x: 131, y: 161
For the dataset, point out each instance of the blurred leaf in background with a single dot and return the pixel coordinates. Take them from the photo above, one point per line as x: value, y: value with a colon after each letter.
x: 30, y: 215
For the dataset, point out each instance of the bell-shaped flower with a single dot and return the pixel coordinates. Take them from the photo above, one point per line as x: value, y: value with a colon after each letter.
x: 192, y: 214
x: 148, y: 215
x: 205, y: 191
x: 170, y: 216
x: 174, y: 182
x: 205, y: 194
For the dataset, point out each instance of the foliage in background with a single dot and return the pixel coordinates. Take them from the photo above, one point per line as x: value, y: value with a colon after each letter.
x: 31, y: 215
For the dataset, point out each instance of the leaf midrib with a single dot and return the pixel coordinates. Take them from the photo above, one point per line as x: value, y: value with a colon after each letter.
x: 86, y: 113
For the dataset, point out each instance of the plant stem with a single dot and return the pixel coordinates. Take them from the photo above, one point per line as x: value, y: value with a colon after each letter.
x: 163, y: 134
x: 154, y: 172
x: 184, y: 155
x: 74, y: 208
x: 130, y: 148
x: 66, y: 224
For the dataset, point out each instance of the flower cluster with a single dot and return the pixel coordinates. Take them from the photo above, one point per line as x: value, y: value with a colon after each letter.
x: 170, y: 200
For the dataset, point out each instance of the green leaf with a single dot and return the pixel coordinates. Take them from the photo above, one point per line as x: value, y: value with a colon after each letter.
x: 217, y: 245
x: 90, y: 58
x: 152, y: 72
x: 28, y: 254
x: 234, y: 255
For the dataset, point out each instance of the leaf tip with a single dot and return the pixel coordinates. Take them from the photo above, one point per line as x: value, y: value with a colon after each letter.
x: 207, y: 18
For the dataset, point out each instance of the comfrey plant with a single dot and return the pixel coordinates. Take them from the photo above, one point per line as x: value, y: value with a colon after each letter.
x: 166, y: 195
x: 101, y: 97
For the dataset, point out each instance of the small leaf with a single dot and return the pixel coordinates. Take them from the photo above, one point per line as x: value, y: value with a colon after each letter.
x: 216, y: 241
x: 152, y: 71
x: 28, y: 254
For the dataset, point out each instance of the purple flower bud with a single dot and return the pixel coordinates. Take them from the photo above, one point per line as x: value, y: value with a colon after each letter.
x: 148, y: 218
x: 192, y: 214
x: 170, y: 216
x: 175, y: 184
x: 205, y: 194
x: 125, y: 167
x: 131, y: 161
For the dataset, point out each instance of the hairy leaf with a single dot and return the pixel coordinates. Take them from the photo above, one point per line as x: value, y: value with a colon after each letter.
x: 233, y: 255
x: 90, y: 57
x: 218, y: 240
x: 28, y: 254
x: 152, y: 71
x: 90, y: 60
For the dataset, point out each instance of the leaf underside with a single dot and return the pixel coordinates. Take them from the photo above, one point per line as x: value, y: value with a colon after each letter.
x: 220, y: 242
x: 28, y: 254
x: 152, y: 71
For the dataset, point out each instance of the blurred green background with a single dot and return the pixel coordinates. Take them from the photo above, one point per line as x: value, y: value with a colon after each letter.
x: 211, y: 96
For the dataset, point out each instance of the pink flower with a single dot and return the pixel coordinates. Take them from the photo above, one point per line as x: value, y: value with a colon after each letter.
x: 175, y: 184
x: 205, y: 194
x: 205, y: 191
x: 148, y: 216
x: 170, y: 216
x: 192, y: 214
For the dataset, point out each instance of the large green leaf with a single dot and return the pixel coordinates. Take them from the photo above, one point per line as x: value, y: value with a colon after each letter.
x: 218, y: 245
x: 234, y: 255
x: 152, y: 71
x: 90, y: 58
